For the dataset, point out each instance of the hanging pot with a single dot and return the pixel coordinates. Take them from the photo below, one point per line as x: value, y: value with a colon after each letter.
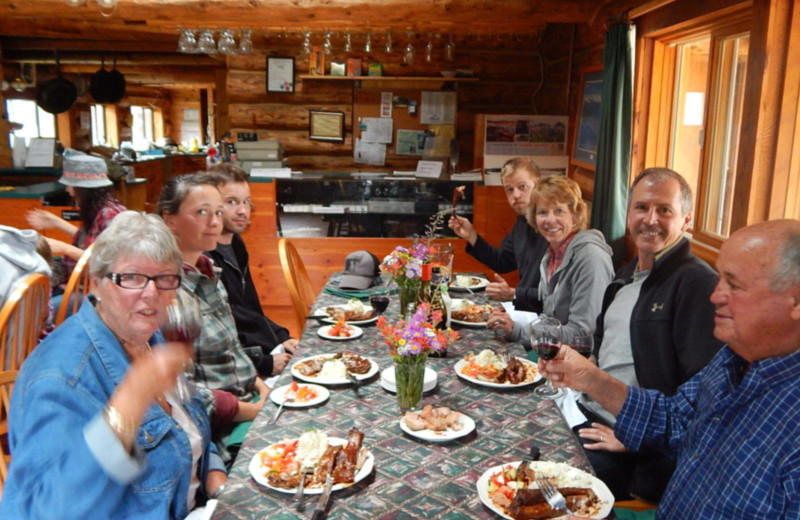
x: 116, y: 85
x: 57, y: 95
x: 100, y: 82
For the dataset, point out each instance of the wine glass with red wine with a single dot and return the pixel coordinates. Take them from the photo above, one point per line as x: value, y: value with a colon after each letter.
x: 546, y: 339
x: 379, y: 299
x: 583, y: 344
x: 183, y: 324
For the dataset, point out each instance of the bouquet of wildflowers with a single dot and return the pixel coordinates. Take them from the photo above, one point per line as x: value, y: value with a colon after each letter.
x: 417, y: 336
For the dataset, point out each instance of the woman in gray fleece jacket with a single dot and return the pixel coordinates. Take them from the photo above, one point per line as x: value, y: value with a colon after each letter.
x: 575, y: 270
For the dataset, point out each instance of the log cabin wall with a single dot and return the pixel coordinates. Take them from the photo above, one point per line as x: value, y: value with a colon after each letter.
x: 178, y: 101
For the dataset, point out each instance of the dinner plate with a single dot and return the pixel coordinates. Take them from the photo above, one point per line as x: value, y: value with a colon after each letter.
x: 325, y: 332
x: 468, y: 425
x: 473, y: 324
x: 461, y: 363
x: 330, y: 380
x: 257, y: 471
x: 279, y: 394
x: 321, y: 312
x: 549, y: 468
x: 481, y: 285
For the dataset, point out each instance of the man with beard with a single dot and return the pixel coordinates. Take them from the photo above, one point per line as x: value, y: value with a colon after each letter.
x: 522, y: 249
x: 258, y: 334
x: 733, y: 426
x: 655, y: 329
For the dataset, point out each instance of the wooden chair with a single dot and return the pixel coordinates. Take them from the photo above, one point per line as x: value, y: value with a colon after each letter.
x: 22, y: 318
x: 635, y: 505
x: 78, y: 284
x: 294, y: 271
x: 7, y: 379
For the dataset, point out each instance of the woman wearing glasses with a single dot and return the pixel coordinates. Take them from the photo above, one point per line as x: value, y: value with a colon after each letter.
x: 95, y: 428
x: 191, y: 205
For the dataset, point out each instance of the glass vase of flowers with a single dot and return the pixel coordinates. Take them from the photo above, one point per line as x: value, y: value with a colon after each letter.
x: 410, y: 341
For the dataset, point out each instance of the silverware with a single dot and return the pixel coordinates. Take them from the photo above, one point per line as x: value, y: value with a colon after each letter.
x: 356, y: 381
x: 319, y: 512
x: 552, y: 495
x: 289, y: 397
x: 533, y: 454
x: 318, y: 317
x: 298, y: 497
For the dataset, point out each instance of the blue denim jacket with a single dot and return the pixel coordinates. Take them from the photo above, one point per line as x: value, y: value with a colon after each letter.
x: 66, y: 460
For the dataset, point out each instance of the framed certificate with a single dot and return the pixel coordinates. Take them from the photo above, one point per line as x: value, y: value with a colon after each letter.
x: 326, y: 126
x: 280, y: 74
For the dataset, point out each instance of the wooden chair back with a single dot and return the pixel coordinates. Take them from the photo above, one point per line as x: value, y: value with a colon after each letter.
x: 78, y: 285
x: 294, y: 271
x: 22, y: 318
x: 7, y: 379
x: 635, y: 505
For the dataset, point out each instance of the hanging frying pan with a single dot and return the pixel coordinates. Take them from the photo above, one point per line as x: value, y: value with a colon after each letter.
x: 116, y: 84
x: 57, y: 95
x: 100, y: 82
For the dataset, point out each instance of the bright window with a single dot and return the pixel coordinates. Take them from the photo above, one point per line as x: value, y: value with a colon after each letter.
x: 99, y: 136
x: 35, y: 121
x: 142, y: 127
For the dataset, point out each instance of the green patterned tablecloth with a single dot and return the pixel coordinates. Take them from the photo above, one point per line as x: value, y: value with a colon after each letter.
x: 412, y: 479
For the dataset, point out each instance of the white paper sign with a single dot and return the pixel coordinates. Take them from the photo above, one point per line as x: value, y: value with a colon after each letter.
x: 376, y: 129
x: 40, y: 153
x: 278, y: 173
x: 386, y: 104
x: 369, y: 153
x: 429, y: 169
x: 438, y: 108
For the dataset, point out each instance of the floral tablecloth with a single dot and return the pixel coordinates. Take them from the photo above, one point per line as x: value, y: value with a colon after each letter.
x: 412, y: 479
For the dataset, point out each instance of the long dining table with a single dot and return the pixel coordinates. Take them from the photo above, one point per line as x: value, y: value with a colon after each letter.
x: 411, y: 478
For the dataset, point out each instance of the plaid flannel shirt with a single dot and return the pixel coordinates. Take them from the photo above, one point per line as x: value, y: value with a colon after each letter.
x: 84, y: 238
x: 737, y: 439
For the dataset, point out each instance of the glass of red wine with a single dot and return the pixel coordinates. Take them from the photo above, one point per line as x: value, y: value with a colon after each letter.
x: 582, y: 344
x: 183, y: 323
x: 379, y: 299
x: 546, y: 339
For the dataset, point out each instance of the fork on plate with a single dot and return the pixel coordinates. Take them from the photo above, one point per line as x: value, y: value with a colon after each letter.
x: 298, y: 496
x: 552, y: 495
x: 289, y: 397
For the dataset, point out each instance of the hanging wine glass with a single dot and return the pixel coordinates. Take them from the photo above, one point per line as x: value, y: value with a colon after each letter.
x: 368, y: 42
x: 389, y: 48
x: 348, y: 44
x: 306, y: 42
x: 205, y: 44
x: 449, y: 49
x: 326, y: 45
x: 187, y: 42
x: 454, y: 156
x: 246, y: 43
x: 429, y: 49
x: 408, y: 54
x: 226, y: 44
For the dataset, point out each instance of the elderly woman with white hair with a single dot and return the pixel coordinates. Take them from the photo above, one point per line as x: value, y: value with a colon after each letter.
x: 96, y: 429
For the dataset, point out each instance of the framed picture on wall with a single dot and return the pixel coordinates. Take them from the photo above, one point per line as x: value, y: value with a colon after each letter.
x: 587, y: 133
x: 280, y: 74
x: 326, y: 126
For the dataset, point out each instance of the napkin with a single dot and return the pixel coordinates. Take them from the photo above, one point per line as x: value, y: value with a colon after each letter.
x: 270, y: 381
x: 522, y: 317
x: 567, y: 404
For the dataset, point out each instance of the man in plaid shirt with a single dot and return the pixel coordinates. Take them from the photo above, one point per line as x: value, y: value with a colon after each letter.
x: 734, y: 426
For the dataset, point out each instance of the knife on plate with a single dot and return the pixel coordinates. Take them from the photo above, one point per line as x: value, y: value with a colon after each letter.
x: 319, y: 512
x: 533, y: 455
x: 356, y: 382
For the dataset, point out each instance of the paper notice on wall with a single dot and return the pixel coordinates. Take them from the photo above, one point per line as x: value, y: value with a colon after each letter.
x: 410, y: 142
x: 369, y: 153
x: 438, y: 108
x: 376, y: 129
x: 386, y: 104
x: 429, y: 169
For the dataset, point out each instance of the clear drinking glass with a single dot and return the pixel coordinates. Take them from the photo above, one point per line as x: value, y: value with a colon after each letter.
x: 183, y: 324
x: 546, y: 339
x: 582, y: 344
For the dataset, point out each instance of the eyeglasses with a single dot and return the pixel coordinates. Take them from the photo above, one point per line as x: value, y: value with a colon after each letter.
x: 163, y: 282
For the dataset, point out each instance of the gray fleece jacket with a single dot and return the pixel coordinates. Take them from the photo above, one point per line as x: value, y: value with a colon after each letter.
x: 574, y: 294
x: 18, y: 258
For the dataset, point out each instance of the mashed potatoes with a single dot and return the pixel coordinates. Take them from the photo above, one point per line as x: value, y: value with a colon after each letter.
x: 463, y: 280
x: 356, y: 307
x: 333, y: 369
x: 310, y: 448
x: 488, y: 358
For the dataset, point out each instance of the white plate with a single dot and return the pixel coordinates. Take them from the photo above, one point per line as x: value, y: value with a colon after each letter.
x: 597, y: 485
x: 257, y: 471
x: 461, y: 363
x: 332, y: 381
x: 324, y: 332
x: 321, y: 312
x: 473, y: 324
x: 481, y: 285
x: 445, y: 436
x: 279, y: 394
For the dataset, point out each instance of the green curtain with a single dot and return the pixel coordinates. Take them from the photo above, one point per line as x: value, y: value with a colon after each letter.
x: 612, y: 171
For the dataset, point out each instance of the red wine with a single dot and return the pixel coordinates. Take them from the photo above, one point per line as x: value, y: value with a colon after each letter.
x: 583, y: 350
x: 379, y: 303
x: 547, y: 350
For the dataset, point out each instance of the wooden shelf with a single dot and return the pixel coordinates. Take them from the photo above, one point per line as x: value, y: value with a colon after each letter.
x: 383, y: 78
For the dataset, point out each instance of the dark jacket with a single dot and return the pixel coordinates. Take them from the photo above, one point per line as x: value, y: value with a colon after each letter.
x: 257, y: 333
x: 672, y: 338
x: 522, y: 249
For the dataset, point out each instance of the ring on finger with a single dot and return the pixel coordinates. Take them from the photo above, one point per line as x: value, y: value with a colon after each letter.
x: 602, y: 439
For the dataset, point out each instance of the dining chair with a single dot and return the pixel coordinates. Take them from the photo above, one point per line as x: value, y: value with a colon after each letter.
x: 22, y: 318
x: 7, y: 379
x: 294, y: 271
x: 77, y: 288
x: 635, y: 505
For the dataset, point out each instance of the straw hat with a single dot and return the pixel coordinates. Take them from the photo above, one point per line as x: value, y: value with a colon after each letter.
x: 84, y: 171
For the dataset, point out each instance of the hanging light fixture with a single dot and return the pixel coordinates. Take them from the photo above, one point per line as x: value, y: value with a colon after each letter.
x: 389, y: 47
x: 246, y: 43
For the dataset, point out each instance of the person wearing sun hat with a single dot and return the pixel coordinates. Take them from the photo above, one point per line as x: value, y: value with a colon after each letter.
x: 87, y: 182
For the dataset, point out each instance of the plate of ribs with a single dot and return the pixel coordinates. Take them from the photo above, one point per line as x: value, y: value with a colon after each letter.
x: 279, y: 465
x: 495, y: 371
x: 437, y: 424
x: 352, y: 313
x: 519, y: 498
x: 333, y: 369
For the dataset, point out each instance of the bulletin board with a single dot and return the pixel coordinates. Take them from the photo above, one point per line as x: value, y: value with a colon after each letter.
x: 367, y: 103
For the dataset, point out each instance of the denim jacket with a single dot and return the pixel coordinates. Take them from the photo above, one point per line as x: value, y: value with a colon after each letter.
x: 66, y: 460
